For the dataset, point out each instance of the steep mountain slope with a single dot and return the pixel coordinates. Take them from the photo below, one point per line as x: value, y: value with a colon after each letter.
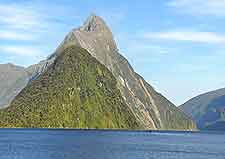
x: 151, y: 109
x: 13, y: 80
x: 208, y: 110
x: 75, y: 91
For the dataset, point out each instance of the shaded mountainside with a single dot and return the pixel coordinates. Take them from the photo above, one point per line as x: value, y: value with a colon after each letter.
x: 208, y: 110
x: 13, y: 80
x: 217, y: 126
x: 76, y: 91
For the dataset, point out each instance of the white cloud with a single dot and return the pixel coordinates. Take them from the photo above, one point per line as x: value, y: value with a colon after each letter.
x: 199, y: 7
x: 20, y: 22
x: 14, y: 35
x: 16, y: 16
x: 26, y: 51
x: 192, y: 36
x: 23, y: 22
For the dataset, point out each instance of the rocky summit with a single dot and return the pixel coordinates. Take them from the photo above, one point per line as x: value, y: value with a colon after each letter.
x: 149, y: 108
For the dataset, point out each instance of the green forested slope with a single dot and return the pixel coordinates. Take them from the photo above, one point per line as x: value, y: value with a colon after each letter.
x: 75, y: 92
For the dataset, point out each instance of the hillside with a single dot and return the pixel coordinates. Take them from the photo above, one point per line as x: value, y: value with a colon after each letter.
x: 208, y: 110
x: 76, y: 91
x: 13, y: 80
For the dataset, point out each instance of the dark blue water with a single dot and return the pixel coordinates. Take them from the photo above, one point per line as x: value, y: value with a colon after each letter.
x: 80, y: 144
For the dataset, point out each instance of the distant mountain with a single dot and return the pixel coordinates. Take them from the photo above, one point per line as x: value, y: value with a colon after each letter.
x: 13, y: 80
x: 208, y: 110
x: 150, y: 109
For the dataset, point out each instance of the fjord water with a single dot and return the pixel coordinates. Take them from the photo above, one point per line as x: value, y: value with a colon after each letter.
x: 93, y: 144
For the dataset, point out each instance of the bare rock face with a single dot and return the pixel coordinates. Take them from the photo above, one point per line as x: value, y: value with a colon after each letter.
x: 96, y: 38
x: 13, y: 80
x: 37, y: 69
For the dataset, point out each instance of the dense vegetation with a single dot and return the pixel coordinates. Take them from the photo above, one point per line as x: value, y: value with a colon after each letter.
x: 75, y: 92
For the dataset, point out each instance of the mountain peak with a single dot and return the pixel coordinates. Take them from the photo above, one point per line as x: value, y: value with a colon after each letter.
x: 94, y: 36
x: 95, y: 23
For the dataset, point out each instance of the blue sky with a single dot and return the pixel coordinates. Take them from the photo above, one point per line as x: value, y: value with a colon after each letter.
x: 178, y: 46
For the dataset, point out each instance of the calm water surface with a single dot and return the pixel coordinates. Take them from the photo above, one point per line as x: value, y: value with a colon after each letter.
x: 81, y: 144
